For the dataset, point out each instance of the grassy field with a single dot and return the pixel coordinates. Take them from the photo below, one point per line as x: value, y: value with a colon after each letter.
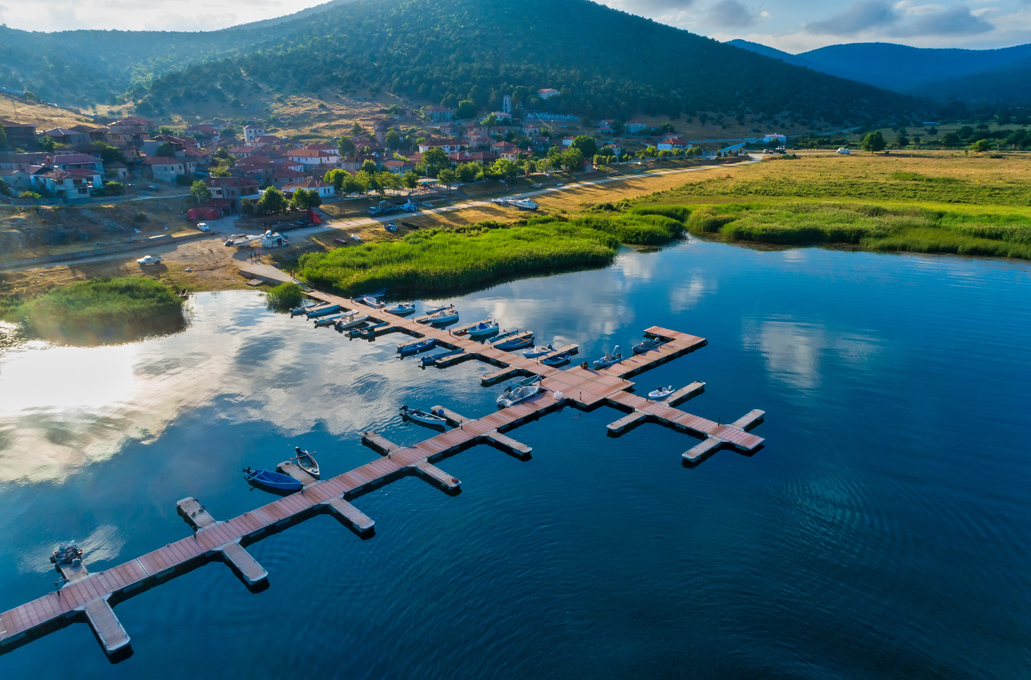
x: 103, y: 311
x: 439, y: 260
x: 927, y: 202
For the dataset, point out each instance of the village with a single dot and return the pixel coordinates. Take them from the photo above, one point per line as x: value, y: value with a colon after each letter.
x: 407, y: 150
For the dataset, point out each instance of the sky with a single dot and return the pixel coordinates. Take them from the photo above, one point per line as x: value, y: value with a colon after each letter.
x: 791, y: 25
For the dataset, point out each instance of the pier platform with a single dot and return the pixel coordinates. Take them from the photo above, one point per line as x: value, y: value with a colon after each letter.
x: 86, y: 596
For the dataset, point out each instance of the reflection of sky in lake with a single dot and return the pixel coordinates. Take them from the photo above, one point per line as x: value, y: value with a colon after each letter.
x: 853, y: 544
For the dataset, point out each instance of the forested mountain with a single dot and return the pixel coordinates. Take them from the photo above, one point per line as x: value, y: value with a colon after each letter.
x: 605, y: 62
x: 943, y: 74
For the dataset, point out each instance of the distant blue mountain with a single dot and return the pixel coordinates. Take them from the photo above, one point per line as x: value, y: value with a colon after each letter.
x: 970, y: 75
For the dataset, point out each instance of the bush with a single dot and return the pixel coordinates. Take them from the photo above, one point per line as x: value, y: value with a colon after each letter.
x: 284, y: 297
x: 140, y: 217
x: 30, y: 195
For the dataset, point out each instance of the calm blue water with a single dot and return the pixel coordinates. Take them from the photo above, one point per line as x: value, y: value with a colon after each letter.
x: 884, y: 531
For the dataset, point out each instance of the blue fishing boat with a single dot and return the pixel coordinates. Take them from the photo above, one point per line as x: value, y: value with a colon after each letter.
x: 271, y: 481
x: 515, y: 343
x: 322, y: 311
x: 647, y: 344
x: 538, y: 351
x: 610, y: 358
x: 556, y: 359
x: 297, y: 311
x: 401, y: 309
x: 433, y: 359
x: 446, y: 315
x: 417, y: 347
x: 484, y: 328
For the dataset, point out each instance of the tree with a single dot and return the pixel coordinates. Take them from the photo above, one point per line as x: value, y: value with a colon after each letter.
x: 3, y: 139
x: 435, y: 160
x: 363, y: 182
x: 447, y: 177
x: 370, y: 167
x: 467, y: 172
x: 573, y: 160
x: 246, y: 207
x: 336, y: 178
x: 272, y: 202
x: 874, y: 142
x: 393, y: 140
x: 346, y: 147
x: 219, y: 171
x: 588, y: 147
x: 530, y: 166
x: 490, y: 121
x: 981, y: 145
x: 108, y: 153
x: 902, y: 141
x: 410, y: 180
x: 46, y: 142
x: 466, y: 110
x: 306, y: 199
x: 200, y: 192
x: 505, y: 169
x: 165, y: 150
x: 357, y: 130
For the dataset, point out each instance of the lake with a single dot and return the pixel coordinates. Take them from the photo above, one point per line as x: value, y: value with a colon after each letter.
x: 883, y: 532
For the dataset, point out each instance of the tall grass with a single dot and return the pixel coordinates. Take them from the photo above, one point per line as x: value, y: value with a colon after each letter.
x: 103, y: 311
x: 433, y: 260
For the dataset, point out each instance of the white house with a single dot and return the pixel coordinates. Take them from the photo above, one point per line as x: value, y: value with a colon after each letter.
x: 325, y: 189
x: 672, y: 143
x: 71, y: 185
x: 312, y: 157
x: 636, y: 126
x: 448, y: 145
x: 167, y: 168
x: 252, y: 132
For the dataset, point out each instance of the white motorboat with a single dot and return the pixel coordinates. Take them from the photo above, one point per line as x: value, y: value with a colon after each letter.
x: 660, y: 393
x: 610, y: 358
x: 519, y: 394
x: 538, y: 351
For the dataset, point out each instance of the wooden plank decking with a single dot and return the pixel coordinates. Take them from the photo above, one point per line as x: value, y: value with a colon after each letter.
x: 90, y: 593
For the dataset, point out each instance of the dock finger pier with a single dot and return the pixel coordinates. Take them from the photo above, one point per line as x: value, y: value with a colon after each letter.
x: 91, y: 597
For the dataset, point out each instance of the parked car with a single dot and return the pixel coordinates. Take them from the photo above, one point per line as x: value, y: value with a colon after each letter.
x: 150, y: 259
x: 203, y: 226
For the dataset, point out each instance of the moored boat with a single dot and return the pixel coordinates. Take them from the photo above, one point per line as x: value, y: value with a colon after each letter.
x: 401, y: 309
x: 538, y: 351
x: 423, y: 417
x: 446, y: 315
x: 369, y: 331
x: 370, y: 301
x: 271, y: 481
x: 303, y: 309
x: 518, y: 395
x: 417, y: 347
x: 322, y: 311
x: 610, y: 358
x: 306, y: 461
x: 484, y: 328
x: 660, y: 393
x: 324, y: 321
x: 647, y: 344
x: 350, y: 322
x: 556, y: 359
x: 501, y: 336
x: 515, y: 343
x: 430, y: 360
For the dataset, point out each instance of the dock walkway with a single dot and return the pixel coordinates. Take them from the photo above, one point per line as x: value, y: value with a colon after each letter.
x: 89, y: 597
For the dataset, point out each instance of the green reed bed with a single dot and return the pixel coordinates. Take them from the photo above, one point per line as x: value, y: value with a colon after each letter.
x: 103, y: 311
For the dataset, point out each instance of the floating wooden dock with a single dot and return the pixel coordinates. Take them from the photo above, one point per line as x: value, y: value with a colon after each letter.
x: 90, y: 597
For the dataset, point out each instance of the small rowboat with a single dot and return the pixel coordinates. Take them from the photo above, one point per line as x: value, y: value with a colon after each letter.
x: 331, y: 320
x: 423, y: 417
x: 448, y: 315
x: 322, y: 311
x: 556, y: 359
x: 610, y: 358
x: 417, y: 347
x: 271, y: 481
x: 368, y: 331
x: 519, y: 394
x: 303, y: 309
x: 660, y: 393
x: 372, y: 302
x: 486, y: 327
x: 514, y: 343
x: 350, y: 322
x: 401, y: 309
x: 538, y: 351
x: 306, y: 461
x: 430, y: 360
x: 646, y: 344
x: 507, y: 334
